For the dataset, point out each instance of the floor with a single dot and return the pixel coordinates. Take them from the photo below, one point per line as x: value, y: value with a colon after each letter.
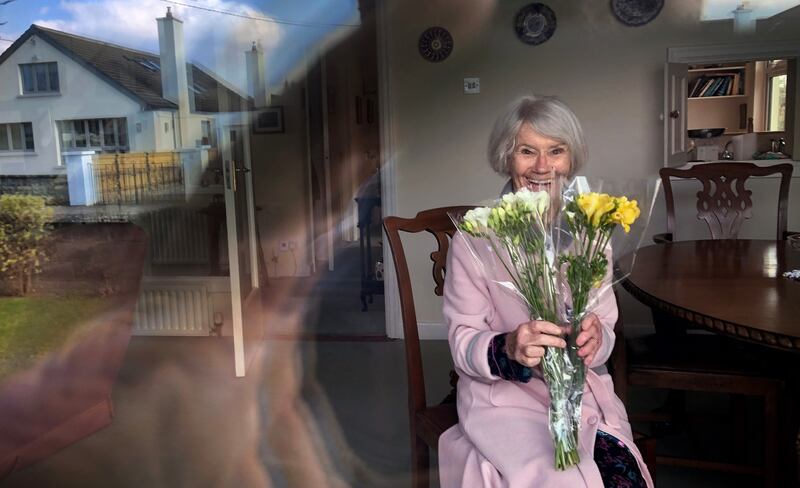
x: 309, y: 413
x: 340, y: 300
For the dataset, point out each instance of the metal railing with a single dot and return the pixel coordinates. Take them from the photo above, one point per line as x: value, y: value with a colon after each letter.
x: 138, y: 178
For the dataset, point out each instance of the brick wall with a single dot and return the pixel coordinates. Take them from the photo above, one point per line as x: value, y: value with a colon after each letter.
x: 54, y: 187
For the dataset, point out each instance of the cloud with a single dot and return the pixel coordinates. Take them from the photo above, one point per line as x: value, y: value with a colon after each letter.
x: 215, y: 40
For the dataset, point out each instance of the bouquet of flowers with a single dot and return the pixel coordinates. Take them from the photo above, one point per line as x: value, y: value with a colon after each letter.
x: 552, y: 250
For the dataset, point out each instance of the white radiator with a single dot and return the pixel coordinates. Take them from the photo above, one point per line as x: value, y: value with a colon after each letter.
x: 178, y: 235
x: 173, y: 309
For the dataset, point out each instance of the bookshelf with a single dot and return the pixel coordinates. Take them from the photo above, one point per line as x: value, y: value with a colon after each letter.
x: 720, y: 95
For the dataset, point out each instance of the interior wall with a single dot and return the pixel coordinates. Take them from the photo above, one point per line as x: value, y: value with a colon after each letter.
x: 282, y: 183
x: 610, y: 74
x: 280, y: 188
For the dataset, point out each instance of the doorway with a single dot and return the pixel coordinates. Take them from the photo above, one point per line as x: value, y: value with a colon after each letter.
x: 748, y: 114
x: 345, y: 184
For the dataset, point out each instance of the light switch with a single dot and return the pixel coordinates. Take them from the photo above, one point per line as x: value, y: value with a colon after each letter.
x: 472, y: 86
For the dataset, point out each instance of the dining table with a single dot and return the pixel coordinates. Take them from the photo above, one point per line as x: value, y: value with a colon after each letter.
x: 733, y: 287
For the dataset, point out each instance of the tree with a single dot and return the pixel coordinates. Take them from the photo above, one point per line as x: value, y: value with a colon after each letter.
x: 24, y: 225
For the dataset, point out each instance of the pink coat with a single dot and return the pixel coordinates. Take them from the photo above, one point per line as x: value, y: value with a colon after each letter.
x: 502, y: 439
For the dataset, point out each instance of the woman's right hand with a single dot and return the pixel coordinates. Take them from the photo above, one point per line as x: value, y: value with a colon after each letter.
x: 526, y: 344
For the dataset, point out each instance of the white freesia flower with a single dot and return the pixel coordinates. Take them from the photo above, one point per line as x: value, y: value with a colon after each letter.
x: 537, y: 201
x: 478, y: 216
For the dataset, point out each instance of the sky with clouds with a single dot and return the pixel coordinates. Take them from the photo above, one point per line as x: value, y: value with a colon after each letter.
x: 288, y: 30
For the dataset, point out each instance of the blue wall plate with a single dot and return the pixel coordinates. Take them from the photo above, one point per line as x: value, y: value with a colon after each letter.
x: 636, y: 12
x: 535, y: 23
x: 435, y: 44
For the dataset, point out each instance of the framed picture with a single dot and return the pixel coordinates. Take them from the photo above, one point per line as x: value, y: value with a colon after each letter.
x: 268, y: 120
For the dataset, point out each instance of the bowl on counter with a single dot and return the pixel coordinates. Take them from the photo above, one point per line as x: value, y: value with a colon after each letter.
x: 794, y: 241
x: 706, y: 133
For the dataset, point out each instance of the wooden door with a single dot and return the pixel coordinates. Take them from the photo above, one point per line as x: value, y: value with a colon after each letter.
x: 675, y: 118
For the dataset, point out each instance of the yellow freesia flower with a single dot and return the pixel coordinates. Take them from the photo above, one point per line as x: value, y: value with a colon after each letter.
x: 595, y: 206
x: 626, y: 213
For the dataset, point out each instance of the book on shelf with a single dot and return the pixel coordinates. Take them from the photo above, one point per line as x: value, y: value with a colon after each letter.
x: 716, y: 86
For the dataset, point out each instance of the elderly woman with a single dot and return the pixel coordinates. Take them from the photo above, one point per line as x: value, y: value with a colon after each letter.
x: 502, y: 438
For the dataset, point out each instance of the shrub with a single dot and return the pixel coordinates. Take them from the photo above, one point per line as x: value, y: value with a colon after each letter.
x: 24, y: 225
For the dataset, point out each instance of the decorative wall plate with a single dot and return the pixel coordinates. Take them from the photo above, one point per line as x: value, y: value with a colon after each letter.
x: 636, y: 12
x: 535, y: 23
x: 435, y: 44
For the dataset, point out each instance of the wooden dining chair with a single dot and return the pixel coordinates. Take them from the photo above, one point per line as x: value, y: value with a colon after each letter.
x: 725, y: 203
x: 428, y: 422
x: 678, y: 361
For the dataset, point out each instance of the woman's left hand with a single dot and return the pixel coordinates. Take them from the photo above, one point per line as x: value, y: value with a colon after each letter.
x: 590, y: 338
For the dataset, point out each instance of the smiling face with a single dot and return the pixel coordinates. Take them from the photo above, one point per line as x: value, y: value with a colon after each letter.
x: 536, y: 158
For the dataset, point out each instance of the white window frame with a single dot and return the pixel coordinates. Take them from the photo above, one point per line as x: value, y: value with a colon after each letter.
x: 771, y: 73
x: 11, y: 148
x: 36, y: 90
x: 102, y: 135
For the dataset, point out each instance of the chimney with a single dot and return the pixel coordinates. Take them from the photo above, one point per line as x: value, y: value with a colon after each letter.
x: 256, y: 75
x: 174, y: 85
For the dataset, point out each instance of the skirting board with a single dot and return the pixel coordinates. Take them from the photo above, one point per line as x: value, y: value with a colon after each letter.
x: 432, y: 331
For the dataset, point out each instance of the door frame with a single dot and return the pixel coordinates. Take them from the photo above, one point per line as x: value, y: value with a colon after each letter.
x: 749, y: 51
x: 238, y: 305
x: 393, y: 315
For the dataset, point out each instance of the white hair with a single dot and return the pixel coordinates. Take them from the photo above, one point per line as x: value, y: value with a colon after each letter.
x: 548, y: 116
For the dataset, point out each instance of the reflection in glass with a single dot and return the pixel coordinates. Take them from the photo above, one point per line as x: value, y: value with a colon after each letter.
x: 16, y: 136
x: 770, y: 262
x: 41, y: 77
x: 4, y: 138
x: 94, y: 132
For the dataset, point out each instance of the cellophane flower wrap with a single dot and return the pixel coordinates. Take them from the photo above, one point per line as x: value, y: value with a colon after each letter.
x: 551, y: 250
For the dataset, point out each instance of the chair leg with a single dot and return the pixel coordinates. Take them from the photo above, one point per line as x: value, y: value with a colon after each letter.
x: 647, y: 447
x: 771, y: 418
x: 420, y: 463
x: 738, y: 407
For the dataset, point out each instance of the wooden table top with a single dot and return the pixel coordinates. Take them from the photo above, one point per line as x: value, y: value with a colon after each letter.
x: 732, y: 287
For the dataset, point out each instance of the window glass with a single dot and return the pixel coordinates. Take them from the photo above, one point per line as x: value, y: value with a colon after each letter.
x: 27, y: 132
x: 79, y: 128
x: 109, y: 133
x: 94, y: 132
x: 52, y: 74
x: 205, y: 127
x: 777, y: 103
x: 67, y: 137
x: 122, y: 132
x: 16, y: 137
x: 41, y: 77
x: 4, y: 137
x: 98, y: 134
x: 28, y: 82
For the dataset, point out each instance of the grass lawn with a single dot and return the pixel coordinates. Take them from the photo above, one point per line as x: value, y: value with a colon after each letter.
x: 32, y: 326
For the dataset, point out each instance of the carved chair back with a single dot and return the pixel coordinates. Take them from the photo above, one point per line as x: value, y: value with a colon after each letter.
x: 724, y: 203
x: 437, y: 222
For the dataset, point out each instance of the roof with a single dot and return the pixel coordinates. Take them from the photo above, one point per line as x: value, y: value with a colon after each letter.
x: 137, y: 73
